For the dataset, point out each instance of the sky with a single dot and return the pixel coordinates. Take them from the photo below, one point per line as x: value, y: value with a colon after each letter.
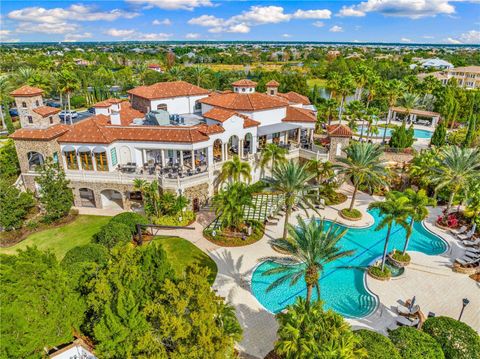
x: 407, y: 21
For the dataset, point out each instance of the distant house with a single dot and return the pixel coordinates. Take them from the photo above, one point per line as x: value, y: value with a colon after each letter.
x: 436, y: 64
x: 77, y: 349
x: 155, y: 67
x: 467, y: 77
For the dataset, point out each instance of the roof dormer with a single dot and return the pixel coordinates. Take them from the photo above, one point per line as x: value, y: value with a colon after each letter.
x: 244, y: 86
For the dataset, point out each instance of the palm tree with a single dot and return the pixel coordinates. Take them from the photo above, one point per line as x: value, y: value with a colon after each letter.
x: 361, y: 76
x: 373, y: 85
x: 458, y: 168
x: 24, y: 74
x: 333, y: 84
x: 175, y: 73
x: 329, y: 109
x: 68, y: 84
x: 392, y: 89
x: 198, y: 74
x: 362, y: 165
x: 291, y: 179
x: 323, y: 170
x: 273, y: 154
x: 309, y: 247
x: 409, y: 101
x: 230, y: 203
x: 150, y: 195
x: 394, y: 210
x: 235, y: 170
x: 418, y: 202
x: 355, y: 111
x: 345, y: 87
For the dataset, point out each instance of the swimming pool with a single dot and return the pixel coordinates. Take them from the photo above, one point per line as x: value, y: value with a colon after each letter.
x: 417, y: 133
x: 343, y: 289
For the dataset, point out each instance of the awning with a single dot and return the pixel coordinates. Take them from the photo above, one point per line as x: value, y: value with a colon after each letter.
x: 83, y: 149
x: 277, y: 127
x: 99, y: 149
x: 68, y: 148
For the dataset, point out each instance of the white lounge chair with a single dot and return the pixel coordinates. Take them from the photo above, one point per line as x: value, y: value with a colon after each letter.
x: 465, y: 261
x: 458, y: 231
x: 407, y: 311
x: 470, y: 243
x: 473, y: 251
x: 407, y: 322
x: 465, y: 236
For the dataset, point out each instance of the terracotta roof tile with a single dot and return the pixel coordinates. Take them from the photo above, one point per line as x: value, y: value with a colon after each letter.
x: 26, y: 91
x: 167, y: 90
x: 244, y: 82
x: 45, y: 111
x: 272, y: 83
x: 128, y: 113
x: 244, y: 102
x: 219, y: 114
x: 108, y: 102
x: 339, y: 131
x: 248, y: 122
x: 210, y: 129
x: 45, y: 134
x: 294, y: 97
x: 296, y: 114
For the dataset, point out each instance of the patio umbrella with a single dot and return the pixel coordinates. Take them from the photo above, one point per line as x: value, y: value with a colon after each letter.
x: 412, y: 303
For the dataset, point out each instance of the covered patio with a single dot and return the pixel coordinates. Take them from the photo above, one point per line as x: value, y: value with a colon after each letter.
x: 285, y: 135
x: 427, y: 118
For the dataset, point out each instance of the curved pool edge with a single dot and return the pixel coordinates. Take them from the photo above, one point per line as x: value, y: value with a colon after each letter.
x: 447, y: 243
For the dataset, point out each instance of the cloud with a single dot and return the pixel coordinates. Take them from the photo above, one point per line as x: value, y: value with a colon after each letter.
x: 453, y: 41
x: 254, y: 16
x: 286, y: 36
x: 135, y: 35
x: 318, y: 24
x: 74, y: 12
x: 428, y: 37
x: 5, y: 32
x: 312, y: 14
x: 192, y: 35
x: 47, y: 28
x: 173, y: 4
x: 77, y: 37
x: 336, y: 28
x: 414, y: 9
x: 5, y: 36
x: 469, y: 37
x: 405, y: 39
x: 119, y: 33
x: 166, y: 22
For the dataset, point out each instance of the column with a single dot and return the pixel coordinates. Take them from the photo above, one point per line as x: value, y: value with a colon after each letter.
x: 254, y: 144
x: 144, y: 154
x: 181, y: 160
x: 286, y: 137
x: 209, y: 156
x: 79, y: 161
x: 299, y: 132
x: 193, y: 160
x: 240, y: 148
x: 162, y: 154
x: 225, y: 151
x: 311, y: 136
x: 94, y: 161
x: 389, y: 115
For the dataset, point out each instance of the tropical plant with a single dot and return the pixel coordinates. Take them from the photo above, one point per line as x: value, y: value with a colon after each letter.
x: 362, y: 165
x: 394, y: 211
x: 355, y: 111
x: 291, y: 179
x: 402, y: 137
x: 377, y: 345
x: 410, y: 101
x: 472, y: 209
x: 392, y: 90
x: 413, y: 344
x: 439, y: 136
x: 198, y: 74
x: 323, y: 170
x: 329, y: 109
x: 345, y: 88
x: 310, y: 246
x: 307, y: 331
x: 150, y: 195
x: 418, y: 202
x: 230, y: 204
x: 9, y: 166
x: 272, y: 154
x: 458, y: 167
x: 68, y: 84
x: 113, y: 234
x: 235, y: 170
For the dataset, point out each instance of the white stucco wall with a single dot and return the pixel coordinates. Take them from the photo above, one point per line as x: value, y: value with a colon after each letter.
x: 177, y: 105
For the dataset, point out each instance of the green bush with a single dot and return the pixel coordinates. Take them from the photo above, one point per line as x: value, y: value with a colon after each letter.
x: 377, y: 272
x: 181, y: 219
x: 398, y: 256
x: 377, y: 345
x: 414, y: 344
x: 457, y: 339
x: 402, y: 137
x: 130, y: 219
x: 113, y: 233
x: 78, y: 101
x: 91, y: 252
x: 354, y: 213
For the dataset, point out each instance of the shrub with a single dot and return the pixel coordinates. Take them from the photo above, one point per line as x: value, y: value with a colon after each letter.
x: 113, y: 233
x: 78, y: 101
x: 413, y: 344
x: 402, y: 137
x: 14, y: 206
x: 180, y: 219
x: 398, y: 256
x: 377, y: 345
x: 91, y: 252
x: 130, y: 219
x: 456, y: 338
x: 354, y: 213
x: 439, y: 135
x: 377, y: 272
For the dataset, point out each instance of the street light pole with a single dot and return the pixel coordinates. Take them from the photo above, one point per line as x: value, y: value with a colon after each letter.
x: 465, y: 302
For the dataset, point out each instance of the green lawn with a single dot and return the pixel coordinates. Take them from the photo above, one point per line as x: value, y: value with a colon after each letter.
x: 182, y: 253
x: 61, y: 239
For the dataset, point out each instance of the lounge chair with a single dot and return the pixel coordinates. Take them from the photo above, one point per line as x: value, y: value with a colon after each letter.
x: 401, y: 320
x: 465, y: 236
x: 473, y: 251
x: 471, y: 255
x: 458, y: 231
x: 470, y: 243
x: 407, y: 311
x: 466, y: 261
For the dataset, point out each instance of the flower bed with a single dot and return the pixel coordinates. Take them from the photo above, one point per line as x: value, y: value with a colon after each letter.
x: 182, y: 219
x: 376, y: 273
x: 226, y: 238
x: 353, y: 215
x: 398, y: 259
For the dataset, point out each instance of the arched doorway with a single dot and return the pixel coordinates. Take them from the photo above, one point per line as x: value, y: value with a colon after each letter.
x: 35, y: 159
x: 217, y: 150
x: 248, y: 144
x: 111, y: 199
x: 87, y: 197
x: 233, y: 143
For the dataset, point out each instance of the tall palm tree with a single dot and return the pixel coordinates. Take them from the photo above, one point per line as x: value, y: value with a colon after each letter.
x: 459, y: 167
x: 345, y: 88
x: 355, y: 111
x: 362, y: 165
x: 309, y: 247
x: 329, y: 109
x: 24, y: 74
x: 175, y: 73
x: 5, y: 89
x: 198, y: 74
x: 394, y: 210
x: 323, y: 170
x: 418, y: 202
x: 272, y: 154
x: 230, y: 203
x: 235, y: 170
x: 291, y: 179
x: 333, y: 84
x: 361, y: 76
x: 392, y: 90
x: 68, y: 83
x: 410, y: 101
x: 373, y: 86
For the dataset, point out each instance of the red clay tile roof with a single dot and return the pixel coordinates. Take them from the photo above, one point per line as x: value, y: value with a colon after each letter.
x: 244, y: 102
x: 248, y: 122
x: 296, y: 114
x: 108, y: 102
x: 219, y: 114
x: 244, y: 82
x: 339, y: 131
x: 210, y: 129
x: 272, y: 83
x: 26, y: 91
x: 45, y: 134
x: 167, y: 90
x: 294, y: 97
x: 128, y: 113
x: 45, y: 111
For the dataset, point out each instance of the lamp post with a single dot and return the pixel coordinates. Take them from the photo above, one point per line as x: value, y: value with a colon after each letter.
x: 465, y: 302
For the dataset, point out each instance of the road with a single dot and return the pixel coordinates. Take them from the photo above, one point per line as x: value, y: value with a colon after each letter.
x: 81, y: 116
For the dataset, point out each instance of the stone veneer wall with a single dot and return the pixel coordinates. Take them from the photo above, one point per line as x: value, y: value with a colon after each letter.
x: 38, y: 121
x: 332, y: 153
x: 97, y: 188
x: 397, y: 157
x: 201, y: 192
x: 141, y: 104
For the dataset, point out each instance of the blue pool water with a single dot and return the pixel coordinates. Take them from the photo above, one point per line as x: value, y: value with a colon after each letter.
x: 417, y: 133
x: 343, y: 289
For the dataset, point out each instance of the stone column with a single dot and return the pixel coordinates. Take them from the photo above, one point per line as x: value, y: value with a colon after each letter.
x: 94, y: 161
x: 240, y: 148
x: 181, y: 160
x: 210, y: 156
x: 311, y: 136
x: 144, y: 154
x: 299, y: 133
x: 193, y: 160
x: 162, y: 155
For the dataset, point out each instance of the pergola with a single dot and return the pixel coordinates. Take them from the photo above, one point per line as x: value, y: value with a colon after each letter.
x: 413, y: 113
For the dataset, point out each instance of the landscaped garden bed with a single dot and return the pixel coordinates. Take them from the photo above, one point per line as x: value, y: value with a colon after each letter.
x: 351, y: 215
x: 377, y: 273
x: 238, y: 238
x: 398, y: 259
x: 184, y: 218
x: 336, y: 198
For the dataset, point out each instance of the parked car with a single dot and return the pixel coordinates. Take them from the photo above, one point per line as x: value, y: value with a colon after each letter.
x: 13, y: 112
x: 91, y: 110
x: 53, y: 104
x: 66, y: 115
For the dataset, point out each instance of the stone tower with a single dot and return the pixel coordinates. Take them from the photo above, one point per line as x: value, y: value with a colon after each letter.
x: 272, y: 87
x: 339, y: 136
x: 33, y: 114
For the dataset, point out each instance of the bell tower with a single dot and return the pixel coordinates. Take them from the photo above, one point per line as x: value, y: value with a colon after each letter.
x: 272, y: 87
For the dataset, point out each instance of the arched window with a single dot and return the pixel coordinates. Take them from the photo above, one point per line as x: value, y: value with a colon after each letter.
x: 85, y: 158
x: 71, y: 159
x: 37, y: 103
x: 100, y: 155
x: 162, y: 106
x: 35, y: 159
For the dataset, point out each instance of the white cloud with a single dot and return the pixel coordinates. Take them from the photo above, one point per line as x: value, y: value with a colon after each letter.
x: 312, y: 14
x: 173, y: 4
x: 428, y: 37
x: 258, y: 15
x: 469, y: 37
x: 5, y: 32
x: 239, y: 28
x: 192, y: 35
x: 135, y: 35
x: 74, y: 12
x: 319, y: 24
x: 166, y: 22
x: 452, y: 41
x: 47, y: 28
x: 5, y: 36
x: 405, y: 39
x: 414, y: 9
x: 336, y: 28
x: 286, y: 36
x: 120, y: 33
x: 206, y: 21
x: 77, y: 37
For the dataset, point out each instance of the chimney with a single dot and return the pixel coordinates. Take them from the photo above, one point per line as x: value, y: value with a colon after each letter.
x: 272, y: 88
x: 115, y: 117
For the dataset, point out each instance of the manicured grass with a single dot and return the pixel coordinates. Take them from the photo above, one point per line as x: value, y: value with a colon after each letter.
x: 183, y: 253
x: 318, y: 82
x: 61, y: 239
x: 351, y: 214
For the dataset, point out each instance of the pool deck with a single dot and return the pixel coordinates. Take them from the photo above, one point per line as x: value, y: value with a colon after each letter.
x: 437, y: 288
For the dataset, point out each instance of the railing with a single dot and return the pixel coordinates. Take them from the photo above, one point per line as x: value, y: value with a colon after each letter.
x: 107, y: 177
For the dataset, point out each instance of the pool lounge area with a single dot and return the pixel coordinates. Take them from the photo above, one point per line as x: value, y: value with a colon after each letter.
x: 417, y: 132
